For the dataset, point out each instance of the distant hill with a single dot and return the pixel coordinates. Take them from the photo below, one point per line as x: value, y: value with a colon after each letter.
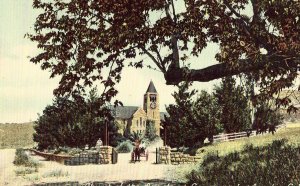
x: 16, y: 135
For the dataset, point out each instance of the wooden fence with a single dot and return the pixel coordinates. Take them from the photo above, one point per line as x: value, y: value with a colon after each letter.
x: 238, y: 135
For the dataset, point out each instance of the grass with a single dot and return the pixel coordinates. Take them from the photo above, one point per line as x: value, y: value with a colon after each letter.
x: 291, y: 133
x: 272, y: 164
x: 16, y: 135
x: 22, y: 171
x: 56, y: 173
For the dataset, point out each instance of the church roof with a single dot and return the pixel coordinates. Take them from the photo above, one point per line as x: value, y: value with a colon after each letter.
x: 151, y: 88
x: 125, y: 112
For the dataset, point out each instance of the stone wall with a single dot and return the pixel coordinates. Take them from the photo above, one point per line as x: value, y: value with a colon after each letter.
x: 102, y: 156
x: 180, y: 158
x: 86, y: 157
x: 167, y: 157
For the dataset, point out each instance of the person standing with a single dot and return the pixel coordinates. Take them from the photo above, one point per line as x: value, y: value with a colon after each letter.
x: 137, y: 150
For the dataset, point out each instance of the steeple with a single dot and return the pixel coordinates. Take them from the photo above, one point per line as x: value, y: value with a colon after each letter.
x: 151, y: 106
x: 151, y: 88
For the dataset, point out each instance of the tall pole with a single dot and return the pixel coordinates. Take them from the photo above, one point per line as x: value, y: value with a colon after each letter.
x: 106, y: 140
x: 165, y: 129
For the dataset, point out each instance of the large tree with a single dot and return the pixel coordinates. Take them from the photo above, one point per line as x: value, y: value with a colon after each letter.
x: 71, y: 123
x: 80, y: 38
x: 234, y: 104
x: 191, y: 119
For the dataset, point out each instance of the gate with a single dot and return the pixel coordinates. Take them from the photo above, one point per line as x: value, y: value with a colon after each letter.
x: 114, y: 158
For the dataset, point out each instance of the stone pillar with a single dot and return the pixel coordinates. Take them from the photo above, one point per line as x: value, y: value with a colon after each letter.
x: 164, y: 155
x: 105, y: 154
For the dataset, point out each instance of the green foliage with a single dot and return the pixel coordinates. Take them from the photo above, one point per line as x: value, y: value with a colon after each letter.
x: 80, y: 41
x: 265, y: 117
x: 74, y: 123
x: 191, y: 121
x: 150, y: 132
x: 135, y: 136
x: 234, y: 105
x: 23, y: 159
x: 125, y: 147
x: 21, y: 171
x: 273, y: 164
x: 114, y: 137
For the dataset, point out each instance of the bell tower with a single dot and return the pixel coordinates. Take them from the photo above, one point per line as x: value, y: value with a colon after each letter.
x: 151, y: 105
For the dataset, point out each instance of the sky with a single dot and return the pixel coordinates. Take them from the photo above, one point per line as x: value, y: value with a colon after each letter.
x: 25, y: 90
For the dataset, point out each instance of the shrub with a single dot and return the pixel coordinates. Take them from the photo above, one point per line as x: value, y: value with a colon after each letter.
x: 21, y: 171
x: 74, y: 151
x: 124, y: 147
x: 23, y: 159
x: 274, y: 164
x: 62, y: 150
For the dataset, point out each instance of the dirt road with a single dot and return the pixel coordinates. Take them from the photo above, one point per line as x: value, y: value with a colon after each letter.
x: 120, y: 172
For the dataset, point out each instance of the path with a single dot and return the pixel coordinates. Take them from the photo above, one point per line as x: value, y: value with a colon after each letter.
x: 120, y: 172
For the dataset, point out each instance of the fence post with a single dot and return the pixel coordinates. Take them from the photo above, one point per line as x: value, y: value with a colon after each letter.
x: 156, y: 155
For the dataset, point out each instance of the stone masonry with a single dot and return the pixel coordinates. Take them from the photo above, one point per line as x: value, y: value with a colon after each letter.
x: 105, y: 155
x: 101, y: 156
x: 175, y: 158
x: 164, y: 155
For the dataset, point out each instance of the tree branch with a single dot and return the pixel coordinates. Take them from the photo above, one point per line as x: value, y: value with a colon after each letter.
x: 153, y: 59
x: 174, y: 38
x: 175, y: 76
x: 259, y: 39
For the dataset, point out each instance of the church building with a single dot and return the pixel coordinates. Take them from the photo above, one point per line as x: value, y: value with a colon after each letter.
x: 133, y: 119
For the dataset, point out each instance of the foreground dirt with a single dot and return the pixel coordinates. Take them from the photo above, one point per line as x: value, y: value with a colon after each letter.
x: 121, y: 172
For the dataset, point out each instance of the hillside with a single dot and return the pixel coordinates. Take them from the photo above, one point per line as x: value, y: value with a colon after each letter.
x: 16, y: 135
x: 291, y: 133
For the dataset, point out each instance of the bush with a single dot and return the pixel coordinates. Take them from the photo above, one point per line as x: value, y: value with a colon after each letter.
x: 62, y: 150
x: 74, y: 151
x: 274, y: 164
x: 22, y: 159
x: 21, y: 171
x: 124, y: 147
